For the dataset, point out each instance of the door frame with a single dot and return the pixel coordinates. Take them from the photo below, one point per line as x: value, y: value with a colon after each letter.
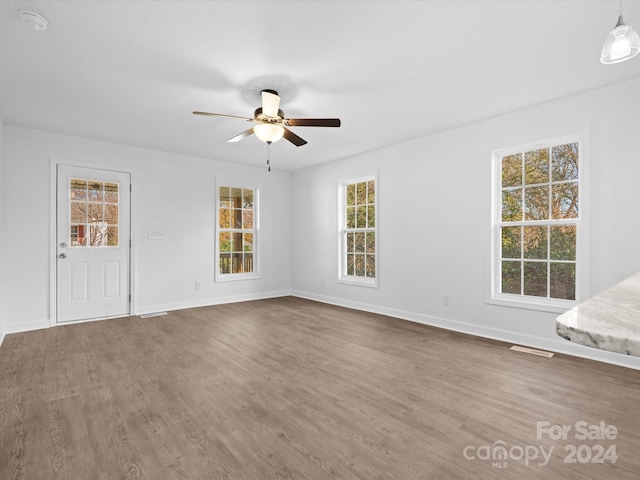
x: 53, y: 238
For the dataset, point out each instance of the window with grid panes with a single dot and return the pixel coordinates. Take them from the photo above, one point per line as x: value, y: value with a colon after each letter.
x: 358, y: 231
x: 237, y: 232
x: 537, y: 224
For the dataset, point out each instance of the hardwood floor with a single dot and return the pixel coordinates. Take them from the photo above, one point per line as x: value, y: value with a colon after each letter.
x: 292, y: 389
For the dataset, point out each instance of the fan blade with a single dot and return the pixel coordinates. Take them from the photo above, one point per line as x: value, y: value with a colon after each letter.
x: 207, y: 114
x: 293, y: 138
x: 270, y: 103
x: 242, y: 135
x: 312, y: 122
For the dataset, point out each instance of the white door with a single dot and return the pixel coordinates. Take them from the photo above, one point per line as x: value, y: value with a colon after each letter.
x: 93, y: 243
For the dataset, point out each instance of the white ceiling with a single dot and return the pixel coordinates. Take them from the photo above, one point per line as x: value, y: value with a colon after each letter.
x: 133, y: 71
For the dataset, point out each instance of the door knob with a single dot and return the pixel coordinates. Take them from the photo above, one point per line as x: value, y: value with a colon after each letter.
x: 63, y: 245
x: 63, y: 255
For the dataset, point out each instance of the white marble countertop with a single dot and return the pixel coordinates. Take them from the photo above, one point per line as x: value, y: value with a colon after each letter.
x: 609, y: 321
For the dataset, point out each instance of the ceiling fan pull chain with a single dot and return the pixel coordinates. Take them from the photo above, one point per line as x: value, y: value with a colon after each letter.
x: 268, y: 156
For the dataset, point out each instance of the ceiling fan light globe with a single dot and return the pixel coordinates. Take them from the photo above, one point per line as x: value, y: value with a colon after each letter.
x: 621, y: 44
x: 268, y: 132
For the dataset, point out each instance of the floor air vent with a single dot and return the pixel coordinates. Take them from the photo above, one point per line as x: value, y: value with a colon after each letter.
x: 532, y: 351
x: 150, y: 315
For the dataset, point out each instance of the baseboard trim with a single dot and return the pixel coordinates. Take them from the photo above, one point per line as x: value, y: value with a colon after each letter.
x: 40, y: 324
x: 207, y: 302
x: 558, y: 346
x: 26, y: 326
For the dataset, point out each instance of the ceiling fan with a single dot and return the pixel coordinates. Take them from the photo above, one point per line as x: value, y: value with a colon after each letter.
x: 272, y: 124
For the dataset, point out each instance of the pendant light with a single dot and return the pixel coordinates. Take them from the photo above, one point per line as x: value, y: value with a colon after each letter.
x: 622, y: 43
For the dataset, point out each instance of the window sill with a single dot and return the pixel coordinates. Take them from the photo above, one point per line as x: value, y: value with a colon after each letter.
x: 233, y: 277
x: 532, y: 303
x: 360, y: 282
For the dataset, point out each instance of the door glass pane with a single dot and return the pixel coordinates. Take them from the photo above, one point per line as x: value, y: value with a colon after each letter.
x: 97, y: 235
x: 78, y: 189
x: 78, y: 212
x: 111, y: 214
x: 112, y: 236
x: 96, y: 191
x: 111, y: 192
x: 93, y: 213
x: 77, y: 237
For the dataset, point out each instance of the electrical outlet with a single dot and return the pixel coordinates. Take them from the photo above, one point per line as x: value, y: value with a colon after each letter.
x: 446, y: 300
x: 197, y: 285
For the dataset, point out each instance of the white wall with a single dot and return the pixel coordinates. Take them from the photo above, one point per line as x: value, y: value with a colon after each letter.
x: 441, y: 183
x: 1, y: 230
x: 172, y: 193
x: 434, y: 218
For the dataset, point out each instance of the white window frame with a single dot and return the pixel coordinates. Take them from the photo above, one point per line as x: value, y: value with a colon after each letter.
x: 342, y: 230
x: 495, y: 296
x: 231, y: 277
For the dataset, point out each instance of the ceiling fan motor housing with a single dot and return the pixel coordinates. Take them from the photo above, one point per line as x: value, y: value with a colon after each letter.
x: 261, y: 117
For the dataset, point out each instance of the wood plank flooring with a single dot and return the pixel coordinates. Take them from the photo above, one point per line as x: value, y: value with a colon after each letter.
x: 292, y: 389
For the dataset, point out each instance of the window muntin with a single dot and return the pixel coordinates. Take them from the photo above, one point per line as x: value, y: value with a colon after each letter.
x: 237, y: 231
x: 537, y: 227
x: 93, y: 213
x: 358, y: 231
